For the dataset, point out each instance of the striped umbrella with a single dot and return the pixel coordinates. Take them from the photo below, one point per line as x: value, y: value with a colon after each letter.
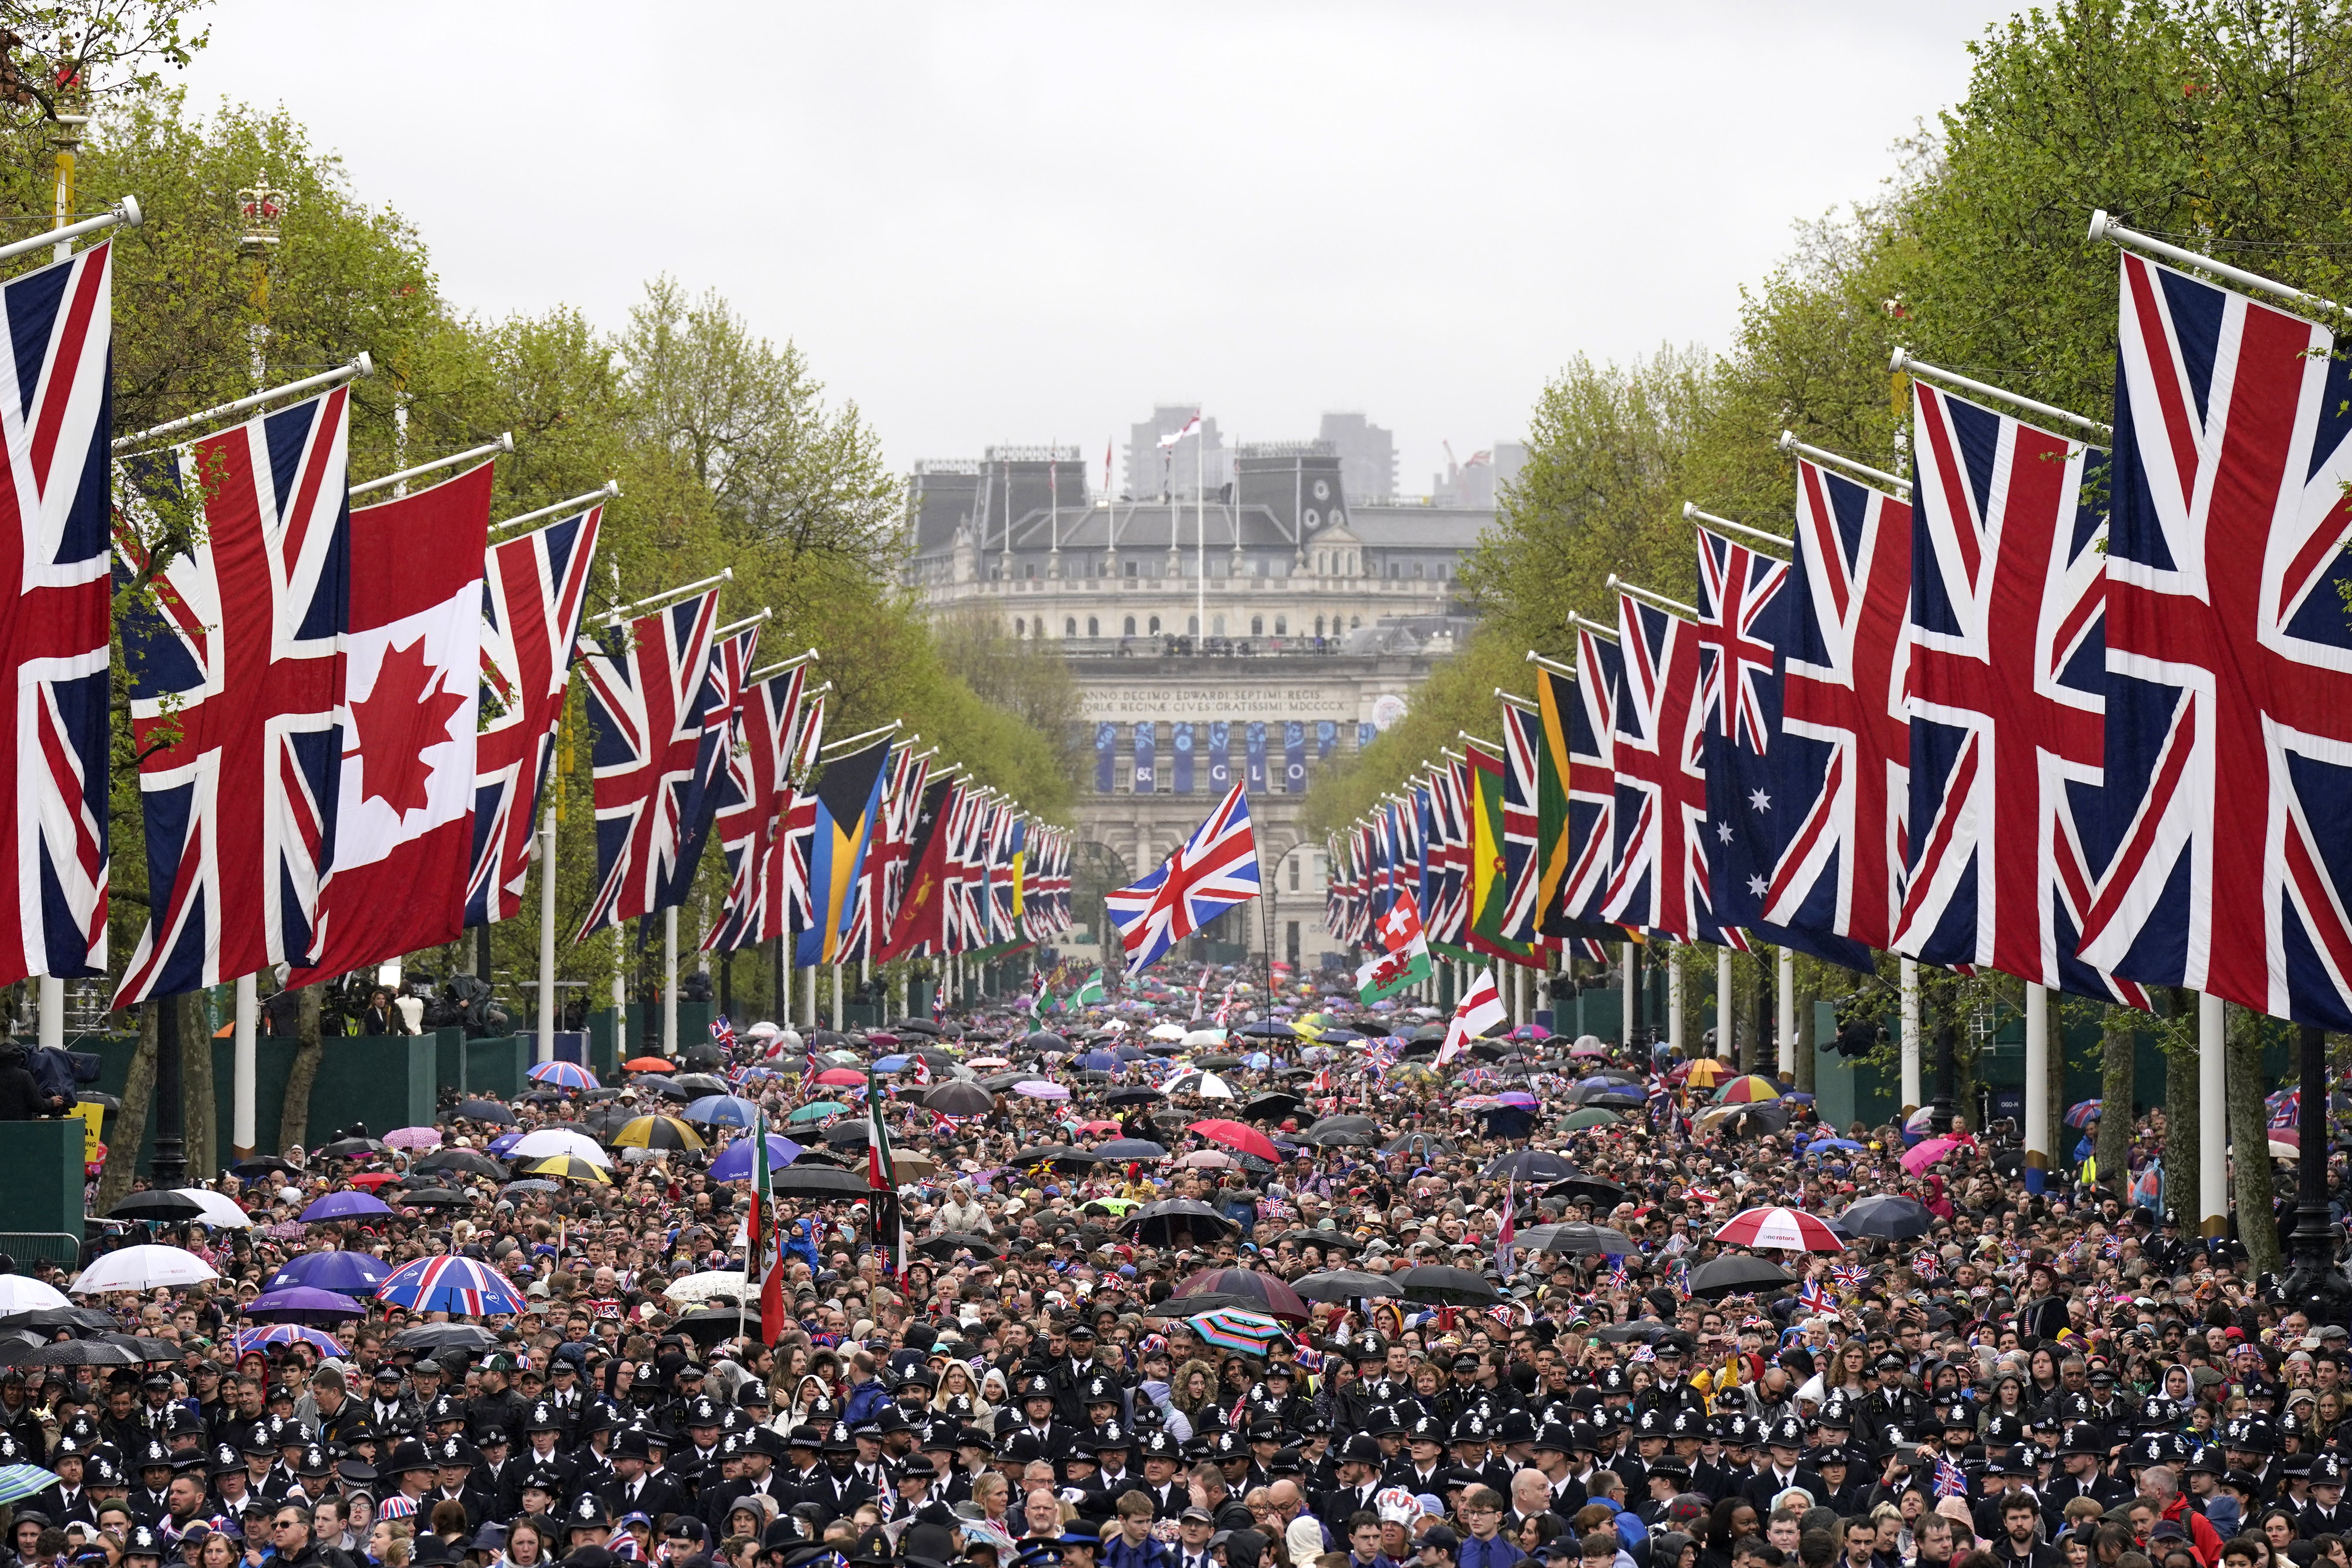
x: 19, y: 1482
x: 569, y: 1168
x: 287, y: 1334
x: 2080, y: 1117
x: 563, y: 1075
x: 656, y: 1132
x: 1786, y: 1227
x: 1746, y: 1089
x: 1706, y: 1072
x: 1232, y: 1328
x: 458, y: 1286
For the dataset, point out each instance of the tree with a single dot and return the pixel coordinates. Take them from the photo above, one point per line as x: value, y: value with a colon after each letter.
x: 2119, y: 1062
x: 2251, y: 1194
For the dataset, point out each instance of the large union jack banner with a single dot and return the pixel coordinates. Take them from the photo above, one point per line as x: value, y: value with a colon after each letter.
x: 2229, y: 722
x: 1843, y: 754
x: 1210, y: 872
x: 532, y: 605
x: 236, y: 676
x: 2008, y: 694
x: 751, y: 815
x: 55, y: 412
x: 1592, y: 778
x: 1743, y: 619
x: 645, y: 714
x: 1661, y: 876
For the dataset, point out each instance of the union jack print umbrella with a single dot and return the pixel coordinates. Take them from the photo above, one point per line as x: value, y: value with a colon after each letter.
x: 563, y: 1075
x: 458, y: 1286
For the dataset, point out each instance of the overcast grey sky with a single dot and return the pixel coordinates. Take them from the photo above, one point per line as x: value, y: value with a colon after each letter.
x: 998, y: 221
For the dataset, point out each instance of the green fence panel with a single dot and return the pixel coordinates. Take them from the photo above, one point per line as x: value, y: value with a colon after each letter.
x: 41, y: 1180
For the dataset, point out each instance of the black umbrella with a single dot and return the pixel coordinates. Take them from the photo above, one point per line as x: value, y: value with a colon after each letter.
x: 1748, y: 1120
x: 1578, y: 1239
x: 471, y: 1161
x: 1443, y: 1287
x: 1215, y: 1063
x: 712, y: 1324
x: 1059, y: 1155
x: 801, y: 1179
x: 142, y: 1347
x: 705, y: 1055
x: 916, y: 1026
x: 486, y: 1111
x: 1132, y: 1094
x: 701, y: 1083
x: 264, y: 1165
x: 92, y: 1097
x: 1047, y: 1040
x: 1589, y: 1190
x: 1271, y: 1107
x: 1737, y: 1275
x: 354, y: 1148
x: 161, y: 1204
x: 1888, y: 1216
x: 1157, y: 1224
x: 1610, y: 1097
x: 1643, y: 1329
x: 1530, y: 1165
x: 842, y: 1134
x: 959, y: 1099
x: 1344, y: 1285
x: 50, y: 1319
x: 1328, y: 1240
x: 1268, y: 1029
x: 435, y: 1338
x: 440, y: 1198
x: 997, y: 1082
x: 948, y: 1243
x: 71, y: 1352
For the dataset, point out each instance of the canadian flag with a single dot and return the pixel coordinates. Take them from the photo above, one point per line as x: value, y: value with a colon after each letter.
x: 1481, y: 1009
x: 404, y: 808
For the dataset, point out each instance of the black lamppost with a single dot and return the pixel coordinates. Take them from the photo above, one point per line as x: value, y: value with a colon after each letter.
x: 1940, y: 1110
x: 170, y: 1166
x: 2314, y: 1284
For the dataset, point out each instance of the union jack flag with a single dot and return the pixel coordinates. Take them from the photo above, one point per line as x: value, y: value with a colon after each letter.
x: 723, y: 1031
x: 1927, y: 1264
x: 1844, y: 748
x: 1660, y: 881
x: 1210, y: 872
x: 2007, y: 696
x: 1950, y: 1480
x: 645, y: 712
x: 532, y: 605
x: 1812, y: 1298
x: 236, y: 676
x: 56, y: 419
x: 751, y: 815
x: 1851, y: 1278
x: 2229, y: 735
x: 1592, y: 777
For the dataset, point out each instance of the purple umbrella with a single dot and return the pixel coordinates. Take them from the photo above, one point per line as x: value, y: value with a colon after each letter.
x: 303, y: 1304
x: 1519, y: 1096
x: 1038, y: 1089
x: 344, y: 1206
x: 346, y: 1273
x: 284, y: 1334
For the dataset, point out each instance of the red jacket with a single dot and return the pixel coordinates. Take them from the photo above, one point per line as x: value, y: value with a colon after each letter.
x: 2203, y: 1539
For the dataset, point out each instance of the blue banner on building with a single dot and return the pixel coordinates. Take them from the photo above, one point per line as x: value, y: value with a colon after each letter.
x: 1147, y: 746
x: 1257, y: 757
x: 1221, y: 757
x: 1364, y: 734
x: 1294, y: 758
x: 1182, y: 744
x: 1105, y: 758
x: 1327, y: 736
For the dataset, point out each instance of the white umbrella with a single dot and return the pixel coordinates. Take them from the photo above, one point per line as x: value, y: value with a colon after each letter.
x: 144, y: 1269
x: 20, y: 1294
x: 1204, y: 1037
x: 761, y: 1030
x: 547, y: 1142
x: 1167, y: 1031
x: 700, y: 1288
x: 221, y: 1211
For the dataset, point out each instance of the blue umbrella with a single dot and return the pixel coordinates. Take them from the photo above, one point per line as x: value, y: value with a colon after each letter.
x: 503, y: 1142
x: 734, y: 1161
x: 898, y: 1063
x: 1819, y: 1144
x: 1100, y: 1061
x: 344, y: 1206
x: 303, y: 1304
x: 1130, y: 1148
x: 722, y: 1111
x: 19, y: 1482
x: 345, y: 1273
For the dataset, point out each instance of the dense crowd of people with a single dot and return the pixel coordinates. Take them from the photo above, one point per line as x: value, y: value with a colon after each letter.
x: 1326, y: 1291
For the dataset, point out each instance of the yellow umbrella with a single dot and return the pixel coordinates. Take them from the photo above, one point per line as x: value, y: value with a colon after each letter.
x: 569, y: 1168
x: 1707, y: 1072
x: 656, y: 1132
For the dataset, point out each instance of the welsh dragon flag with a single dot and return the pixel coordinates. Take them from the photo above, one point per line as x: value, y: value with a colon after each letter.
x: 1406, y: 962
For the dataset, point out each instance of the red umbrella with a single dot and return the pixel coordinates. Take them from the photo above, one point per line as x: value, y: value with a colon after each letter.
x: 1247, y: 1286
x: 1234, y: 1135
x: 1787, y: 1227
x: 372, y: 1180
x: 847, y: 1078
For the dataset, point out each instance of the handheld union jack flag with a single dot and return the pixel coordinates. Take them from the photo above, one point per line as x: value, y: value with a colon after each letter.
x: 1812, y: 1298
x: 2229, y: 732
x: 237, y: 677
x: 56, y: 416
x: 2007, y: 696
x: 1842, y: 759
x: 1210, y: 872
x: 1660, y: 881
x: 1592, y: 777
x: 645, y: 712
x: 531, y: 604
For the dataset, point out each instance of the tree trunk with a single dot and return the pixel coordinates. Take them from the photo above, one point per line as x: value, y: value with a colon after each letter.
x: 200, y: 1106
x: 294, y: 1119
x: 1805, y: 1041
x: 2250, y: 1142
x: 2182, y: 1121
x: 131, y: 1122
x: 2116, y: 1095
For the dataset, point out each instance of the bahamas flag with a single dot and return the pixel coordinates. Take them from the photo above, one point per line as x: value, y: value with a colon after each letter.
x: 848, y: 799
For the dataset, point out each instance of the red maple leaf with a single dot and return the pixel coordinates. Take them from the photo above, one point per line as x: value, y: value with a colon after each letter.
x: 398, y: 720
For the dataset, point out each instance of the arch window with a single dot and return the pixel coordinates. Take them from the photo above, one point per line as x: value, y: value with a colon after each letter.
x: 1093, y: 627
x: 1257, y: 626
x: 1069, y: 626
x: 1282, y: 626
x: 1218, y: 622
x: 1019, y: 628
x: 1355, y: 621
x: 1191, y: 626
x: 1318, y: 626
x: 1129, y: 629
x: 1155, y: 626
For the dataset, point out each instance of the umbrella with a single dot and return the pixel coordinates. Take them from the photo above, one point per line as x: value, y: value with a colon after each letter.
x: 1132, y: 1094
x: 1746, y: 1089
x: 1039, y: 1089
x: 1777, y: 1227
x: 1208, y: 1159
x: 734, y: 1161
x: 484, y: 1111
x: 353, y: 1149
x: 1578, y: 1239
x: 816, y: 1111
x: 1887, y: 1217
x: 1589, y: 1190
x: 1530, y: 1166
x: 1043, y: 1040
x: 916, y: 1026
x: 805, y: 1180
x: 1427, y: 1144
x: 1130, y: 1148
x: 710, y: 1325
x: 142, y: 1348
x: 1706, y: 1072
x: 473, y: 1162
x: 435, y: 1338
x: 289, y: 1335
x: 344, y: 1206
x: 72, y: 1353
x: 1206, y: 1085
x: 1100, y: 1061
x: 1742, y: 1120
x: 20, y: 1293
x: 1343, y: 1285
x: 531, y: 1185
x: 19, y: 1482
x: 347, y: 1273
x: 648, y: 1064
x: 458, y: 1286
x: 48, y: 1320
x: 1057, y: 1155
x: 1232, y: 1329
x: 948, y: 1243
x: 1258, y: 1292
x: 845, y: 1133
x: 1268, y: 1029
x: 144, y: 1269
x: 656, y: 1132
x: 1443, y: 1287
x: 1738, y: 1275
x: 696, y: 1288
x: 303, y: 1304
x: 374, y: 1179
x: 568, y: 1168
x: 1926, y: 1152
x: 550, y: 1142
x: 164, y: 1206
x: 1592, y: 1116
x: 1156, y: 1224
x: 2081, y: 1116
x: 723, y: 1111
x: 1586, y: 1047
x: 1234, y: 1135
x: 259, y: 1165
x: 841, y: 1078
x: 1645, y: 1329
x: 439, y: 1198
x: 563, y: 1075
x: 413, y: 1138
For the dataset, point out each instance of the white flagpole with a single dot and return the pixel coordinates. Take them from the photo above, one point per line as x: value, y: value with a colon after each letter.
x: 1723, y: 1044
x: 1912, y: 1092
x: 1201, y: 530
x: 244, y: 1089
x: 546, y: 1051
x: 1786, y: 1007
x: 669, y: 981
